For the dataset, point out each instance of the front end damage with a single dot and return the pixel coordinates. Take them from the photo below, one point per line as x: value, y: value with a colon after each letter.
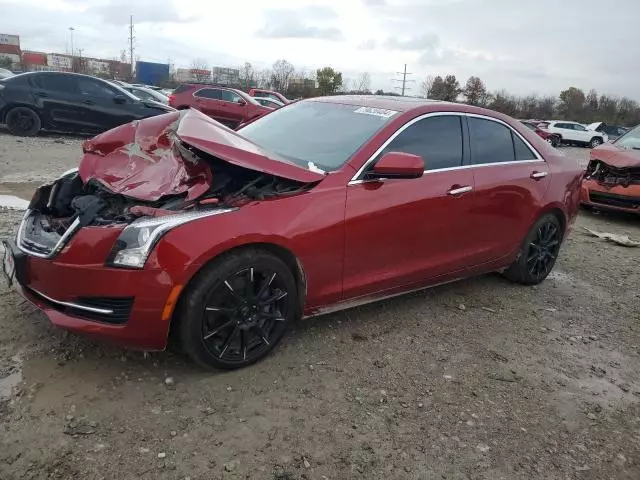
x: 611, y: 187
x: 81, y: 249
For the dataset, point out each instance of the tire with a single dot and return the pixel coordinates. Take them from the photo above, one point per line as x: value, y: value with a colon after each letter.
x: 237, y: 309
x: 534, y: 263
x: 555, y: 141
x: 23, y: 121
x: 595, y: 142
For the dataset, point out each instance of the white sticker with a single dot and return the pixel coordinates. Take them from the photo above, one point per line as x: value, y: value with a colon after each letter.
x: 378, y: 112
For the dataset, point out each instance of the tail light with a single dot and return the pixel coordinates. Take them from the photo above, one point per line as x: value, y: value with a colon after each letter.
x: 172, y: 98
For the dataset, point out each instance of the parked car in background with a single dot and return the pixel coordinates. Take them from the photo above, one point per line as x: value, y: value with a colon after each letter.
x: 259, y: 92
x: 574, y: 133
x: 229, y: 106
x: 223, y: 239
x: 612, y: 179
x: 68, y: 102
x: 269, y: 102
x: 551, y: 138
x: 4, y: 73
x: 166, y: 91
x: 147, y: 94
x: 613, y: 131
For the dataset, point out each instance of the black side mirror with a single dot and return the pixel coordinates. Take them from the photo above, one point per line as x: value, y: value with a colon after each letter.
x: 120, y: 99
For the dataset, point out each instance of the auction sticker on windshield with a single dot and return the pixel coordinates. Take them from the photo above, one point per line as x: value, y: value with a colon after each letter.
x: 378, y: 112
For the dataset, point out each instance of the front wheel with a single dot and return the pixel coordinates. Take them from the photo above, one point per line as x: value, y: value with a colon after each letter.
x: 538, y: 253
x: 238, y: 309
x: 595, y: 141
x: 23, y: 121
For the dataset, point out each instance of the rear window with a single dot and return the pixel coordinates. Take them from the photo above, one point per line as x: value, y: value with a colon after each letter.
x: 182, y: 89
x: 322, y: 133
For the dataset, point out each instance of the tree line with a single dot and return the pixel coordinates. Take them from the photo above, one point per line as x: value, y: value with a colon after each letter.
x: 571, y: 104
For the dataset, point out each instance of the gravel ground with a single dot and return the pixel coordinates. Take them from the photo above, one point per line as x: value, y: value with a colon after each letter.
x: 480, y: 379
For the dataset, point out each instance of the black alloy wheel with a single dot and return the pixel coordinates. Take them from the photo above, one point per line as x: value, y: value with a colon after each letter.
x: 238, y: 309
x: 538, y: 253
x: 244, y: 315
x: 23, y: 121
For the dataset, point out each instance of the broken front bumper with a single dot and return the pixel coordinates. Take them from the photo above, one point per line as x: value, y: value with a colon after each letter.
x: 625, y: 199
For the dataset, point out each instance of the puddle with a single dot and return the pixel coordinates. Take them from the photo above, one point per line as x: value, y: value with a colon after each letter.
x: 13, y: 379
x: 12, y: 202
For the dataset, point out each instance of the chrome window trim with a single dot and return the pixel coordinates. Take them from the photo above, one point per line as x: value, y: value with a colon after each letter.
x: 356, y: 181
x: 57, y: 247
x: 77, y: 306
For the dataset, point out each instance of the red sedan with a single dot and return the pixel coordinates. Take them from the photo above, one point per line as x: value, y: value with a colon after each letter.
x: 229, y: 106
x: 177, y: 226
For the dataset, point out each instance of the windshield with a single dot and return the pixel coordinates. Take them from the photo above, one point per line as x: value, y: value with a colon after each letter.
x: 319, y: 134
x: 631, y: 139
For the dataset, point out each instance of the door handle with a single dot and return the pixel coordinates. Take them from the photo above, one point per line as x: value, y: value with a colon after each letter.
x: 89, y: 102
x: 41, y: 94
x: 460, y: 190
x: 538, y: 175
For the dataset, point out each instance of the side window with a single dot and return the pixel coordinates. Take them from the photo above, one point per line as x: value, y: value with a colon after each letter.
x: 212, y: 93
x: 438, y: 140
x: 521, y: 150
x: 562, y: 125
x: 491, y: 141
x: 93, y: 88
x: 57, y: 83
x: 580, y: 128
x: 229, y: 96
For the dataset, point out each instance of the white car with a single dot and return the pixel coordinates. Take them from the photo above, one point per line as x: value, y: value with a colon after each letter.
x: 573, y: 132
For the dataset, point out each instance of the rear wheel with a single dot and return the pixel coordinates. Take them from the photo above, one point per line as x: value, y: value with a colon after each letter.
x: 238, y: 309
x: 595, y: 141
x: 538, y: 253
x: 23, y: 121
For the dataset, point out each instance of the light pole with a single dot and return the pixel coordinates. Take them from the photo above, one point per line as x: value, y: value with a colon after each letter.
x: 71, y: 29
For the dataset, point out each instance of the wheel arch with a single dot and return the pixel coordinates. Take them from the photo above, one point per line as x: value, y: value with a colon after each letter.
x: 283, y: 253
x: 558, y: 213
x: 7, y: 108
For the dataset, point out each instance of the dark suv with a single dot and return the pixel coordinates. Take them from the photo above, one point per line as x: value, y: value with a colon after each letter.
x: 226, y: 105
x: 68, y: 102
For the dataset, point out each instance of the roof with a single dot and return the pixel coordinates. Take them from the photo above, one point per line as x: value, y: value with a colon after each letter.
x: 400, y: 104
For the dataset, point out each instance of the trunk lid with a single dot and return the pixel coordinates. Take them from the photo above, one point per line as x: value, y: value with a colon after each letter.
x: 143, y: 159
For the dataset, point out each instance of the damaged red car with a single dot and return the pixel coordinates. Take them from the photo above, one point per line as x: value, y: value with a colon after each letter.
x: 612, y: 179
x: 176, y: 227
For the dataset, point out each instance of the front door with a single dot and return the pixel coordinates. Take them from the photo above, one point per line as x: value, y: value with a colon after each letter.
x: 401, y: 233
x: 233, y: 108
x: 105, y: 107
x: 511, y: 181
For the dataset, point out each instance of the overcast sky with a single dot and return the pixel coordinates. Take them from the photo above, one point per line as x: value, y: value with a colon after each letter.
x: 537, y: 46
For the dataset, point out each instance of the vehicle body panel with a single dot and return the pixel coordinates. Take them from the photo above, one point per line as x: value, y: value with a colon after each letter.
x: 352, y: 240
x: 259, y: 92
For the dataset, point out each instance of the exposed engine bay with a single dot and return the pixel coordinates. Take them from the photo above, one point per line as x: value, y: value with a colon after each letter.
x: 68, y: 198
x: 609, y: 176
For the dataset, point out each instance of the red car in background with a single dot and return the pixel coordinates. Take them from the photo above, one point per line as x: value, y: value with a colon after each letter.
x: 259, y: 92
x: 229, y: 106
x: 538, y: 126
x: 176, y: 226
x: 612, y: 179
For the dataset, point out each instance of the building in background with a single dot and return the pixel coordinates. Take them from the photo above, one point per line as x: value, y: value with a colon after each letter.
x: 10, y: 54
x: 60, y: 62
x: 225, y: 76
x: 193, y: 75
x: 151, y: 73
x: 300, y: 83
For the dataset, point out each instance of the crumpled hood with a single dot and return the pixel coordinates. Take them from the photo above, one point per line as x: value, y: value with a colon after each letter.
x: 616, y: 156
x: 141, y: 159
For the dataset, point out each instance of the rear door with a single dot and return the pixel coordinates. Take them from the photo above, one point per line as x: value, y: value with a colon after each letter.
x: 403, y: 232
x: 511, y: 181
x: 581, y: 133
x: 207, y: 100
x: 233, y: 108
x: 57, y: 96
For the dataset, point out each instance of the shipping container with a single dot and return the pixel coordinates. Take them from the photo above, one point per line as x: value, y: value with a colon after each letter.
x: 6, y: 39
x: 151, y: 73
x: 6, y: 49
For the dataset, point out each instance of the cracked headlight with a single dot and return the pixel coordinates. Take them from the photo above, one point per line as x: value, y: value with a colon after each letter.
x: 137, y: 240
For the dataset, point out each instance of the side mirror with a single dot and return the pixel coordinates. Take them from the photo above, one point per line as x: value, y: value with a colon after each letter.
x: 397, y: 165
x: 120, y: 99
x: 241, y: 102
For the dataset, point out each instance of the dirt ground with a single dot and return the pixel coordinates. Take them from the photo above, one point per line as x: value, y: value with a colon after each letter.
x: 480, y: 379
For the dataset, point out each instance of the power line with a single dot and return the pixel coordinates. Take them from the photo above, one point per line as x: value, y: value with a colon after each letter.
x: 404, y: 80
x: 131, y: 38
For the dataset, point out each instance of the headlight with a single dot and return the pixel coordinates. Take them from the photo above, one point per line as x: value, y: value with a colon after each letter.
x: 139, y: 237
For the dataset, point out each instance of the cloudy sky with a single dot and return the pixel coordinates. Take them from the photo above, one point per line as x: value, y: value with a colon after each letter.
x: 538, y: 46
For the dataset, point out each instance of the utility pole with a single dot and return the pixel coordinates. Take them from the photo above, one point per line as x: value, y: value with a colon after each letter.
x: 404, y: 80
x: 131, y: 38
x: 71, y: 29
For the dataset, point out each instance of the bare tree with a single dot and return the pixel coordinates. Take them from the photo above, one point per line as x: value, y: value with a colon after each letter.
x: 247, y: 76
x: 200, y: 70
x: 280, y: 75
x: 426, y: 87
x: 263, y: 78
x: 363, y: 83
